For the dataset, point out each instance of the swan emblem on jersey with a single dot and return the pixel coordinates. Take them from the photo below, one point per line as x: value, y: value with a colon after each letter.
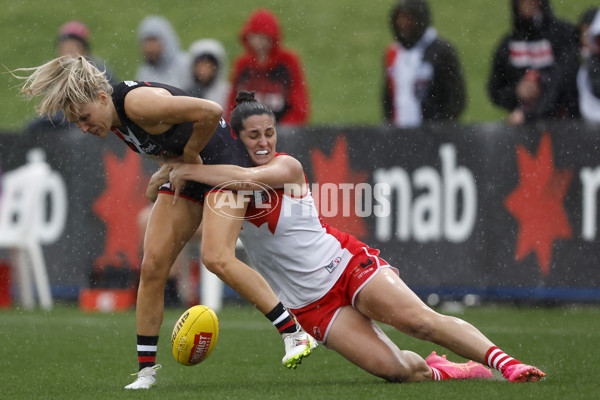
x: 258, y: 216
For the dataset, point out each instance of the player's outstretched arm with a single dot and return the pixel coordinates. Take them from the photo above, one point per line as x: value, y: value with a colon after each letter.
x: 279, y: 172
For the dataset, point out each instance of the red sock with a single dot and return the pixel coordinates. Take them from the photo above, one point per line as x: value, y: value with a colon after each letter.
x: 499, y: 360
x: 439, y: 375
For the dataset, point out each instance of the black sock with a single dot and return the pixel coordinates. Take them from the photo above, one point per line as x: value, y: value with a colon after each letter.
x: 146, y: 350
x: 282, y: 320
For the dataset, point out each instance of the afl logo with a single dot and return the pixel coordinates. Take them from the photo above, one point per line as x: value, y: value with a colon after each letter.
x: 262, y: 197
x: 333, y: 264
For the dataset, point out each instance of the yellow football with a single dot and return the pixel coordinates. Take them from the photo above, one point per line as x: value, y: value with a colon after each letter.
x: 195, y: 335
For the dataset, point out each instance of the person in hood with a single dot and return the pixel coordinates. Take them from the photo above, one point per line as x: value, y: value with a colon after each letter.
x: 164, y: 61
x: 273, y: 72
x: 209, y: 71
x: 423, y: 75
x: 588, y: 76
x: 534, y: 68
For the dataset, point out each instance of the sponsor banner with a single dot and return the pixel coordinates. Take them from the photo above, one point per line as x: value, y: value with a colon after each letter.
x: 105, y: 185
x: 485, y: 209
x: 488, y: 209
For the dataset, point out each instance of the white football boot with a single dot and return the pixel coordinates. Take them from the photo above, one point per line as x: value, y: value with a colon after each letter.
x: 146, y: 378
x: 298, y: 345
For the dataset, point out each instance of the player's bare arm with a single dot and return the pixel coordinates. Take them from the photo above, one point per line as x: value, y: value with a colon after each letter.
x: 156, y: 110
x: 277, y: 173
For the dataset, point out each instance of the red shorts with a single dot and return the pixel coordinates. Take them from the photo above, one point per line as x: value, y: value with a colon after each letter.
x: 316, y: 318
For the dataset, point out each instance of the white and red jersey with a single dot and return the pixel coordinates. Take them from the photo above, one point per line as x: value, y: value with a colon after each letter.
x: 300, y: 256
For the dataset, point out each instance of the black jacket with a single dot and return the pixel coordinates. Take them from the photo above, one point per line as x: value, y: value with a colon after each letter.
x: 444, y: 96
x: 558, y: 78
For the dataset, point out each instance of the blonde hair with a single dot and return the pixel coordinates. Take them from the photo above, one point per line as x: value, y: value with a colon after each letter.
x: 64, y: 84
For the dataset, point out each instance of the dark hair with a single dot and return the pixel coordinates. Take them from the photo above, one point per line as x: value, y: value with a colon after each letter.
x: 587, y: 17
x: 71, y: 36
x: 419, y: 10
x: 246, y: 106
x: 207, y: 57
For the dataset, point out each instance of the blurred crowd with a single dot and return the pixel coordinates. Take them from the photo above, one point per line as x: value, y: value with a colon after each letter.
x: 544, y: 68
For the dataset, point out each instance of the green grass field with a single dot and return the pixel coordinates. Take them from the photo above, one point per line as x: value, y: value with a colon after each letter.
x: 67, y: 354
x: 341, y: 44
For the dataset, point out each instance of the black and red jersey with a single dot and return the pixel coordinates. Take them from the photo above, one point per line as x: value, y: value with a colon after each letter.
x: 224, y: 147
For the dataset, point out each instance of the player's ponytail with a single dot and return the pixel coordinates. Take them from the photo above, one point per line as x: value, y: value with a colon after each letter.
x: 64, y: 84
x: 246, y: 106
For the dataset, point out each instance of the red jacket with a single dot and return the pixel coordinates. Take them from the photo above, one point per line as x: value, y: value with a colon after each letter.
x: 279, y: 83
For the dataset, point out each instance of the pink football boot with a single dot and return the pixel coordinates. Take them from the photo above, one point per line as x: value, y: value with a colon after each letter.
x: 523, y: 373
x: 469, y: 370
